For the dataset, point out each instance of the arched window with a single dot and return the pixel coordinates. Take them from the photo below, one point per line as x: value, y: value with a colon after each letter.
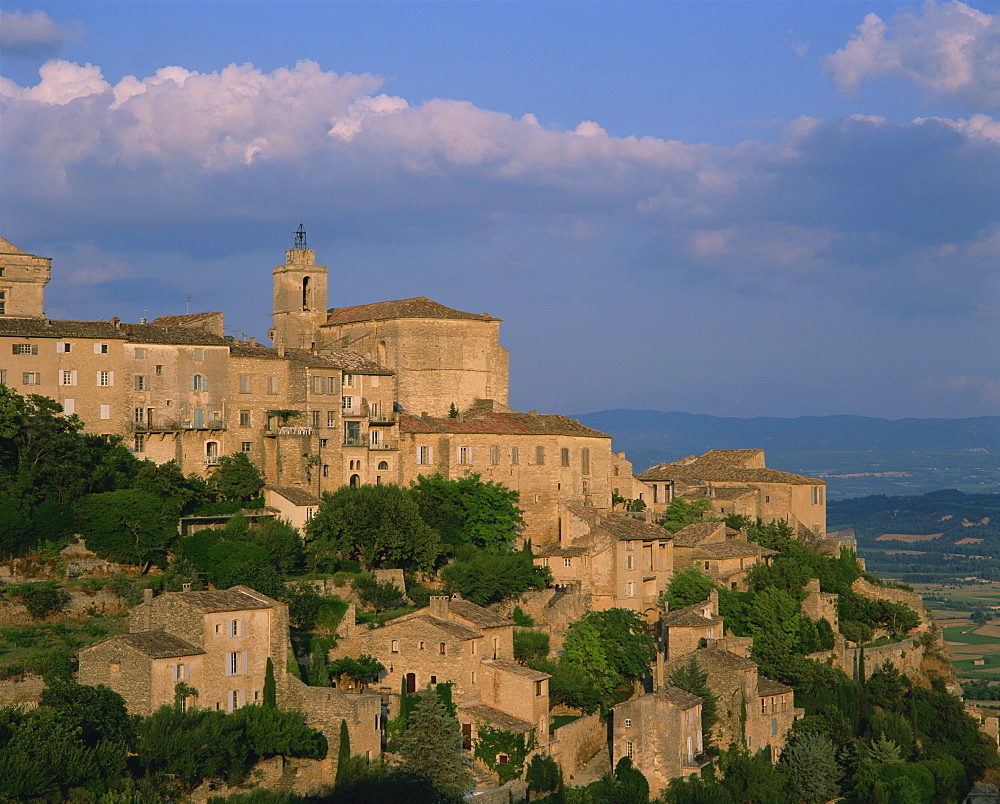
x: 382, y: 465
x: 355, y: 480
x: 381, y: 353
x: 306, y: 294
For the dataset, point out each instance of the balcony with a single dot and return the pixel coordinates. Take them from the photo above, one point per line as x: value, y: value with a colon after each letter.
x: 382, y: 418
x: 356, y: 412
x: 213, y: 460
x: 288, y: 430
x: 355, y: 441
x: 383, y: 445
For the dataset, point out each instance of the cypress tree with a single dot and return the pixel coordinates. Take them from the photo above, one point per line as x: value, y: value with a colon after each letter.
x: 270, y: 694
x: 431, y: 748
x: 691, y: 678
x: 343, y: 754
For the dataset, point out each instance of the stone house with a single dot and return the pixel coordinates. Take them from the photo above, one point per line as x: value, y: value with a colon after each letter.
x: 293, y: 504
x: 620, y: 561
x: 737, y: 481
x: 454, y: 640
x: 661, y: 733
x: 218, y: 642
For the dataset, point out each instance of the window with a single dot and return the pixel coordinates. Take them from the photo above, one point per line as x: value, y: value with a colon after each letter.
x: 3, y: 300
x: 464, y: 455
x: 545, y: 562
x: 539, y: 455
x: 331, y: 418
x: 614, y: 471
x: 347, y: 403
x: 585, y: 461
x: 236, y: 628
x: 24, y: 348
x: 139, y: 442
x: 424, y: 455
x: 105, y: 378
x: 234, y: 700
x: 272, y: 385
x: 105, y: 411
x: 515, y: 455
x: 630, y: 562
x: 349, y: 380
x: 767, y: 499
x: 628, y: 749
x: 64, y: 347
x: 628, y: 723
x: 244, y: 418
x: 141, y: 382
x: 630, y: 589
x: 774, y: 727
x: 233, y: 663
x: 32, y: 378
x: 199, y: 382
x: 69, y: 405
x: 140, y: 353
x: 329, y: 385
x: 246, y: 385
x: 314, y: 418
x: 100, y: 348
x: 494, y: 455
x: 394, y: 647
x: 352, y: 434
x: 441, y: 648
x: 539, y: 688
x: 67, y: 377
x: 315, y: 384
x: 326, y: 470
x: 246, y: 446
x: 564, y: 456
x: 323, y: 442
x: 473, y: 676
x: 199, y: 354
x: 179, y: 672
x: 383, y: 466
x: 158, y: 370
x: 567, y: 562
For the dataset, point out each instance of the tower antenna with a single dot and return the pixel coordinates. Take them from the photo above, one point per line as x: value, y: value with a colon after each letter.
x: 300, y: 236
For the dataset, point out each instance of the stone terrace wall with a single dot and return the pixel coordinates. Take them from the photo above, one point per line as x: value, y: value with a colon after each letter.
x: 514, y: 790
x: 576, y: 743
x: 872, y: 592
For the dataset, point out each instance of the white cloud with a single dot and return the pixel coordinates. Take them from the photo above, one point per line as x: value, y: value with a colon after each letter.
x: 950, y: 50
x: 34, y: 35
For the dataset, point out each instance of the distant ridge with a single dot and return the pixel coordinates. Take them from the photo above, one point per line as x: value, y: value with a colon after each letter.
x: 694, y: 433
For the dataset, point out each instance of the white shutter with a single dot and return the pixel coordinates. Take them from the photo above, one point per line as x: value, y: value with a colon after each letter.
x: 243, y: 627
x: 246, y: 664
x: 60, y: 347
x: 374, y: 381
x: 97, y: 348
x: 204, y: 382
x: 69, y: 406
x: 111, y: 378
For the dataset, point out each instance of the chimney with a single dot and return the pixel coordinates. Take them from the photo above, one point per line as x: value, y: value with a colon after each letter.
x: 147, y: 595
x: 186, y: 587
x: 142, y: 320
x: 532, y: 412
x: 116, y: 321
x: 148, y: 606
x: 439, y: 606
x: 253, y: 341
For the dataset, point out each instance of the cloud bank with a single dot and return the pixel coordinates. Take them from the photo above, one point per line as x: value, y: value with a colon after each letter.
x: 34, y: 36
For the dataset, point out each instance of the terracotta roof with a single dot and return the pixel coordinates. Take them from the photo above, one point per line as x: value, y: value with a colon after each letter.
x: 234, y: 599
x: 733, y: 548
x: 628, y: 528
x: 549, y: 550
x: 295, y: 495
x: 689, y: 617
x: 456, y: 630
x: 160, y: 644
x: 517, y: 669
x: 484, y: 618
x: 186, y: 320
x: 419, y: 307
x: 679, y: 697
x: 151, y: 333
x: 699, y: 532
x: 501, y: 423
x: 497, y: 717
x: 337, y: 360
x: 767, y: 687
x: 47, y: 328
x: 724, y: 466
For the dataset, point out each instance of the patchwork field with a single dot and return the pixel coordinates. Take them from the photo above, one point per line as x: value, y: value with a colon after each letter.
x: 907, y: 537
x: 975, y: 647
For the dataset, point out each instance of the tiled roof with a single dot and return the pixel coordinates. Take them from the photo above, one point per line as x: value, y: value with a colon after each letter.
x: 150, y: 333
x: 627, y: 528
x: 295, y: 495
x: 767, y: 687
x: 419, y: 307
x: 733, y: 548
x: 550, y: 550
x: 690, y: 617
x: 699, y: 532
x: 506, y: 423
x: 517, y: 669
x: 497, y: 717
x: 160, y: 644
x: 679, y: 697
x: 724, y: 466
x: 484, y: 618
x: 456, y: 630
x: 47, y: 328
x: 338, y: 360
x: 222, y: 600
x: 187, y: 320
x: 714, y: 655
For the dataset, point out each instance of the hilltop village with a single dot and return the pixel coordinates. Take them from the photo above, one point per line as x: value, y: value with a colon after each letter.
x: 742, y: 610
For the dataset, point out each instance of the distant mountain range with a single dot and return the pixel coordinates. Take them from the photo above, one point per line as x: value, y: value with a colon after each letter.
x: 688, y: 433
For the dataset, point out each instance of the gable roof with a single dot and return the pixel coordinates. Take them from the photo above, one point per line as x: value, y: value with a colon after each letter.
x: 160, y: 644
x: 689, y: 617
x: 498, y: 717
x: 295, y: 495
x: 418, y: 307
x: 456, y: 630
x: 698, y: 532
x: 679, y: 697
x: 49, y: 328
x: 341, y: 360
x: 499, y: 423
x: 218, y: 600
x: 725, y: 465
x: 767, y: 686
x: 173, y: 335
x: 733, y: 548
x: 484, y: 618
x: 516, y: 669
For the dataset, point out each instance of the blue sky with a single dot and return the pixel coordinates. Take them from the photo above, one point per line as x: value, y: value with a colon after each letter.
x: 736, y: 208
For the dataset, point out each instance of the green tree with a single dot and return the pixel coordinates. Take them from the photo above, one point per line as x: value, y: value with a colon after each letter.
x: 431, y: 748
x: 364, y: 670
x: 469, y: 510
x: 543, y: 774
x: 129, y: 526
x: 687, y: 587
x: 691, y: 678
x: 270, y: 690
x: 681, y: 512
x: 626, y: 785
x: 380, y: 526
x: 530, y: 646
x: 98, y: 712
x: 236, y: 479
x: 486, y: 578
x: 343, y: 755
x: 809, y: 762
x: 377, y: 596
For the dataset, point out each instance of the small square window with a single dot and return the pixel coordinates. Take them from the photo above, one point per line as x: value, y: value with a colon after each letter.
x: 158, y: 371
x: 245, y: 446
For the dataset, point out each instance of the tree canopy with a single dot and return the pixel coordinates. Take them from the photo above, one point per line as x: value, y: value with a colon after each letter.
x: 469, y: 510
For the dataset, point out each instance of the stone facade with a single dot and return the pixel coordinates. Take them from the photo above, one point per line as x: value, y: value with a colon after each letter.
x: 661, y: 733
x: 737, y: 481
x: 23, y: 278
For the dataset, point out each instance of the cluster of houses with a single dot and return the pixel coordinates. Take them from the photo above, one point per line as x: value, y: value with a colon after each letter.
x: 384, y: 393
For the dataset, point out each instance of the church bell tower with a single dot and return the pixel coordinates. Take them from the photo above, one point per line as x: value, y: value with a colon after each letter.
x: 299, y: 297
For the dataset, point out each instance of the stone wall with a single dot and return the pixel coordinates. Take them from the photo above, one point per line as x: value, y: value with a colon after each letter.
x: 872, y: 592
x: 514, y: 790
x: 575, y: 744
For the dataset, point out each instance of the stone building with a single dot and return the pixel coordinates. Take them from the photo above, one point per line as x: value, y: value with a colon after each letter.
x: 218, y: 642
x: 619, y: 561
x: 454, y: 640
x: 23, y: 278
x: 661, y: 733
x: 737, y: 481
